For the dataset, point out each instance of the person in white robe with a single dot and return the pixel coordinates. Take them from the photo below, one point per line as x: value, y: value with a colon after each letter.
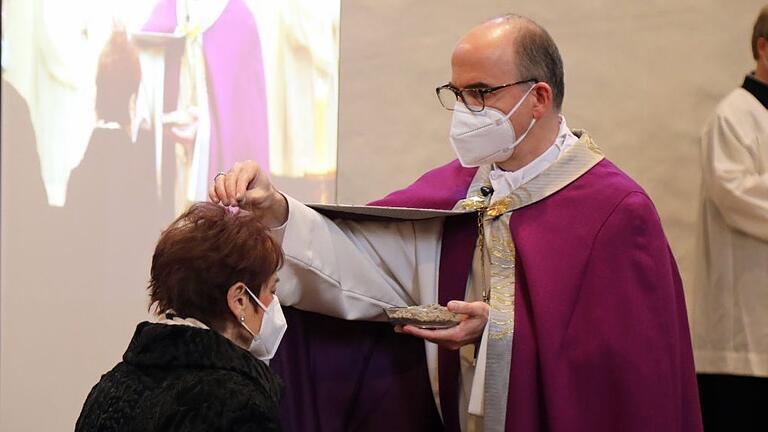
x: 729, y: 317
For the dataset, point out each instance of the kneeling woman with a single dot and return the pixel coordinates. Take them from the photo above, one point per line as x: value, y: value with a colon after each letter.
x: 201, y: 367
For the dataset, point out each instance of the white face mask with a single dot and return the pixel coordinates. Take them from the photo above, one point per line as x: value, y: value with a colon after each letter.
x: 485, y: 137
x: 273, y: 325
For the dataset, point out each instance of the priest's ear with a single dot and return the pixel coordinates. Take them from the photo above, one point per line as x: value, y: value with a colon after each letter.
x: 542, y: 99
x: 762, y: 50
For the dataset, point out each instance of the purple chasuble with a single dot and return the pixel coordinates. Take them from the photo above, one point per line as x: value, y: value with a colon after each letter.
x: 237, y: 94
x: 601, y: 338
x: 601, y: 333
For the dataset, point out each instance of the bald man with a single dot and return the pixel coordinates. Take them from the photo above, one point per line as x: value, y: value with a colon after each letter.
x: 575, y: 312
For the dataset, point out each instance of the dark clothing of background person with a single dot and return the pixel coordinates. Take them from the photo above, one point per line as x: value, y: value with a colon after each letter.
x: 21, y: 163
x: 112, y: 211
x: 114, y: 170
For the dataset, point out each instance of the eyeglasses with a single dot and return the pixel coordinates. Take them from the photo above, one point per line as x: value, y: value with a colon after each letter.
x: 472, y: 98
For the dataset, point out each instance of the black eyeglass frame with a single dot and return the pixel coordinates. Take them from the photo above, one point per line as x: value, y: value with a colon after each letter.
x: 481, y: 93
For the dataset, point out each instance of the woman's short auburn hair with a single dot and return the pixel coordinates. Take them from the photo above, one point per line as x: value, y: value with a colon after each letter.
x: 203, y: 253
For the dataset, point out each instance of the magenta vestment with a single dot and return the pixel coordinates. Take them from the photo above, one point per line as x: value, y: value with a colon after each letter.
x: 601, y: 338
x: 235, y: 79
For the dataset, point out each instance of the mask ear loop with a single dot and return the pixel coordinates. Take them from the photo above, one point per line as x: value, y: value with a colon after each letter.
x: 242, y: 317
x: 530, y: 126
x: 517, y: 105
x: 255, y: 298
x: 242, y: 322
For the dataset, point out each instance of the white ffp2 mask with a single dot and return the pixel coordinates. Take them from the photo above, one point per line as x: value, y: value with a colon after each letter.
x: 273, y: 326
x: 485, y: 137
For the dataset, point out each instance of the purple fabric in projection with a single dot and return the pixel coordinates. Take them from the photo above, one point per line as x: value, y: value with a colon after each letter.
x: 235, y: 78
x: 601, y: 334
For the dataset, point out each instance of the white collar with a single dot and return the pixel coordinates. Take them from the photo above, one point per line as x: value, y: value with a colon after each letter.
x: 103, y: 124
x: 504, y: 182
x: 170, y: 318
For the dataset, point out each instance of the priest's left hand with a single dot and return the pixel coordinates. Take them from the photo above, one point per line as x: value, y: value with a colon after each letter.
x: 466, y: 332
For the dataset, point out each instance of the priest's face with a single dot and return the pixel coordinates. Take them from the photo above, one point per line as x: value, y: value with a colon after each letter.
x: 484, y: 57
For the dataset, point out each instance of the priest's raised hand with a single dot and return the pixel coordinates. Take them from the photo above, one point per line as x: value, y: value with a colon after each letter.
x: 246, y: 185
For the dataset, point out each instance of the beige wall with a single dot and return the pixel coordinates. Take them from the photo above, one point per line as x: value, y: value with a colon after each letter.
x: 641, y: 77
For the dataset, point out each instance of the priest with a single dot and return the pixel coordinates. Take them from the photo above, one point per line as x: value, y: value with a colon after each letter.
x: 576, y: 319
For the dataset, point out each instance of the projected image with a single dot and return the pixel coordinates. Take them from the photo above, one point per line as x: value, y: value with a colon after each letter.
x: 170, y: 92
x: 116, y: 115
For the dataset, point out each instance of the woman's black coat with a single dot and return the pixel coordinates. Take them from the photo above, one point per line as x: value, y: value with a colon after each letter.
x: 183, y: 378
